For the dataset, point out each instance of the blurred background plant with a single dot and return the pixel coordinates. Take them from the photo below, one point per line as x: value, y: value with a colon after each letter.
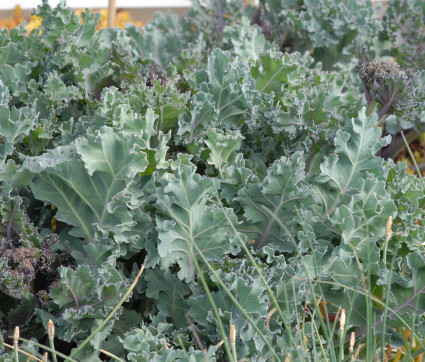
x: 34, y: 21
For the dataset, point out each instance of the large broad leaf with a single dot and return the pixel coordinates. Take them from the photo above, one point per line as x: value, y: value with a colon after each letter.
x: 16, y: 78
x: 90, y: 193
x: 202, y: 115
x: 58, y: 22
x: 83, y: 286
x: 281, y: 193
x: 190, y: 220
x: 351, y: 185
x: 274, y: 69
x: 170, y: 295
x: 233, y: 98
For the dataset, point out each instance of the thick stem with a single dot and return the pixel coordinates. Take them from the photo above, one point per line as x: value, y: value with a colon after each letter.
x: 371, y: 108
x: 366, y: 93
x: 387, y: 106
x: 220, y: 15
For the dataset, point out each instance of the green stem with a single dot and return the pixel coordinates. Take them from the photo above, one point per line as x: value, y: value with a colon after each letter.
x: 369, y: 316
x: 412, y: 157
x: 210, y: 298
x: 263, y: 280
x: 377, y: 301
x: 325, y: 327
x: 388, y: 234
x: 341, y: 344
x: 319, y: 339
x: 183, y: 347
x: 48, y: 349
x: 15, y: 350
x: 52, y: 346
x: 371, y: 108
x: 25, y: 353
x: 108, y: 318
x: 380, y: 121
x: 235, y: 302
x: 233, y: 342
x: 387, y: 298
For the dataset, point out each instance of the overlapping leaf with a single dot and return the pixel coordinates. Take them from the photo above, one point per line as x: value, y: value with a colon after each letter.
x: 169, y: 294
x: 91, y: 191
x: 281, y: 193
x: 247, y: 40
x: 273, y: 69
x: 85, y: 297
x: 15, y: 124
x: 249, y: 294
x: 190, y: 219
x: 351, y: 187
x: 223, y: 147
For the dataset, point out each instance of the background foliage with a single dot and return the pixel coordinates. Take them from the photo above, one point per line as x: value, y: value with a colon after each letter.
x: 179, y: 144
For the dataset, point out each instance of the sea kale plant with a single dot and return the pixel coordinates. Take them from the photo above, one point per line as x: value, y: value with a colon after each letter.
x: 212, y: 187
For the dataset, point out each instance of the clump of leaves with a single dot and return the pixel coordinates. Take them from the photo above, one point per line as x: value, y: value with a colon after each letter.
x: 178, y: 149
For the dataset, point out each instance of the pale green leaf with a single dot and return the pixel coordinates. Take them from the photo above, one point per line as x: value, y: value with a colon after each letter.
x: 183, y: 198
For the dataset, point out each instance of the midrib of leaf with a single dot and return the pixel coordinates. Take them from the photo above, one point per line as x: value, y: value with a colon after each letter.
x: 364, y: 203
x: 70, y: 205
x: 114, y: 180
x: 344, y: 189
x: 229, y: 103
x: 190, y: 219
x: 108, y: 195
x: 187, y: 230
x: 194, y: 125
x: 175, y: 217
x: 269, y: 226
x: 75, y: 189
x: 233, y: 114
x: 272, y: 78
x: 82, y: 32
x: 220, y: 93
x: 314, y: 110
x: 21, y: 125
x: 78, y: 295
x: 97, y: 192
x: 173, y: 303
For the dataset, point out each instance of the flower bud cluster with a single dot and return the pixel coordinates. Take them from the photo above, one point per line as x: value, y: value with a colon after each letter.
x: 393, y: 88
x: 21, y: 261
